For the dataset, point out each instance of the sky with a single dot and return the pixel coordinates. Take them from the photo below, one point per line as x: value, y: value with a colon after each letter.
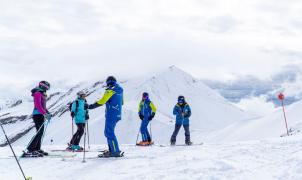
x: 76, y: 40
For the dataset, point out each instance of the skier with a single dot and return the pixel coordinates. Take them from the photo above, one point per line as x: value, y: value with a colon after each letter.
x: 113, y: 98
x: 146, y: 112
x: 80, y: 115
x: 40, y: 113
x: 182, y: 111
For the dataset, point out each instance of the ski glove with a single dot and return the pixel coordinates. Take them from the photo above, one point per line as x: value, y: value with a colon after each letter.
x: 93, y: 106
x: 141, y: 116
x: 86, y: 106
x: 48, y: 116
x: 87, y: 116
x: 186, y: 115
x: 152, y: 116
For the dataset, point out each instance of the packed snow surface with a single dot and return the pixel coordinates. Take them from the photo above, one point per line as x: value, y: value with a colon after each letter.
x: 274, y: 159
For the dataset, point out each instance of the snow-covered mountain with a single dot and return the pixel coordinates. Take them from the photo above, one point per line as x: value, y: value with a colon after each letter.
x: 287, y: 80
x: 211, y: 112
x: 270, y: 126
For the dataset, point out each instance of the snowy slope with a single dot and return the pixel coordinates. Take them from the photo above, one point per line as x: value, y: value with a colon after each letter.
x: 210, y: 110
x: 272, y: 125
x: 276, y: 159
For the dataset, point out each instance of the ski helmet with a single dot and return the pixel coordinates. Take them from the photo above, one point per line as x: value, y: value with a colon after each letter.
x: 111, y: 81
x: 181, y: 99
x: 81, y: 94
x: 44, y: 85
x: 145, y: 96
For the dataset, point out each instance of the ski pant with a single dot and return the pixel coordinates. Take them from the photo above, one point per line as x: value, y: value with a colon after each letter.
x: 176, y: 130
x: 110, y: 125
x: 144, y: 130
x: 78, y: 135
x: 35, y: 145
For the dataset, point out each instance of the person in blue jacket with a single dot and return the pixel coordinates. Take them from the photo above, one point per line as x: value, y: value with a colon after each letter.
x: 79, y: 112
x: 182, y: 111
x: 113, y: 98
x: 146, y: 112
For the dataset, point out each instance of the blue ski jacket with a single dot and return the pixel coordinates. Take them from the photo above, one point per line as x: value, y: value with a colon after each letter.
x: 182, y: 113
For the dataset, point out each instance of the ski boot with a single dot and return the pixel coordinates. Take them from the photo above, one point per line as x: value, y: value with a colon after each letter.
x: 173, y: 143
x: 143, y: 143
x: 189, y: 143
x: 77, y: 148
x: 31, y: 154
x: 43, y: 152
x: 109, y: 154
x: 150, y: 143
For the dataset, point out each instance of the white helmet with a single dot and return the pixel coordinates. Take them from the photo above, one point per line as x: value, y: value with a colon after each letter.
x: 81, y: 94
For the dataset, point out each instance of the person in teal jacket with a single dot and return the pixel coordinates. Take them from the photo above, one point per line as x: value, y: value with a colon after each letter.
x: 182, y: 111
x: 79, y: 112
x: 146, y: 112
x: 113, y: 98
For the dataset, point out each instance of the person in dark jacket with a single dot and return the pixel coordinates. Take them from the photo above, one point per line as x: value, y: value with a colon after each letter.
x: 182, y: 111
x: 40, y: 113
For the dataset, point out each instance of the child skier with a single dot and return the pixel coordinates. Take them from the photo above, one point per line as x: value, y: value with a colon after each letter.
x: 146, y: 112
x: 113, y: 98
x: 40, y: 113
x: 182, y: 111
x: 79, y: 113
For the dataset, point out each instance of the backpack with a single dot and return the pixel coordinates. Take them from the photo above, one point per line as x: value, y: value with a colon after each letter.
x: 77, y: 106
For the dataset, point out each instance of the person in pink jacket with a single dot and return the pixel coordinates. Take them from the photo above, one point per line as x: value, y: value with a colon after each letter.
x: 40, y: 113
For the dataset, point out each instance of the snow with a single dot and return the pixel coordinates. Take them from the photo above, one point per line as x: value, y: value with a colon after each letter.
x: 269, y: 159
x: 237, y: 145
x: 269, y: 126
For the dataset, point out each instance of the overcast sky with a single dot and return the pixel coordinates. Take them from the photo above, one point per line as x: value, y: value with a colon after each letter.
x: 75, y: 40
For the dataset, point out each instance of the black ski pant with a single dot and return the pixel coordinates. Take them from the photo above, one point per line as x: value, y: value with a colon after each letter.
x: 78, y: 135
x: 176, y: 130
x: 35, y: 145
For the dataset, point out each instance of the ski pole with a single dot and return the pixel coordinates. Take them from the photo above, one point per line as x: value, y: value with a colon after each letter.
x: 282, y: 97
x: 45, y: 129
x: 88, y: 135
x: 84, y: 155
x: 137, y: 137
x: 151, y: 130
x: 32, y: 139
x: 25, y: 178
x: 72, y: 127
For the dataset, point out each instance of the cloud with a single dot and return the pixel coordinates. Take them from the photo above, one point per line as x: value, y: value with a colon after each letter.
x: 78, y: 40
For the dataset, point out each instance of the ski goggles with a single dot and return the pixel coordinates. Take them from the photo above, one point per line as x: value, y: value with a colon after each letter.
x: 44, y: 86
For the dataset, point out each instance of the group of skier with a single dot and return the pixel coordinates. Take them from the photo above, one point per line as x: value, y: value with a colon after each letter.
x: 113, y: 99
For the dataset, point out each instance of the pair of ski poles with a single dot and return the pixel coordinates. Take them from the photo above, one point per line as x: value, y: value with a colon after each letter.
x: 45, y: 124
x: 8, y: 141
x: 86, y: 133
x: 72, y: 131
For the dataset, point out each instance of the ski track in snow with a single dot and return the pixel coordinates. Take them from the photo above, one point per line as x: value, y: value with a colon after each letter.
x: 277, y: 159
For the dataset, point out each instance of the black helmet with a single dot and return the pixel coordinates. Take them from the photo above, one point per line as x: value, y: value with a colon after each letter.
x: 111, y: 81
x: 44, y: 85
x: 145, y: 95
x: 181, y: 99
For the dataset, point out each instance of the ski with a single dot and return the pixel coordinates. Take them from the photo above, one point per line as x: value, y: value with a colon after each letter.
x: 199, y: 144
x: 164, y: 145
x: 49, y: 156
x: 64, y: 150
x: 108, y: 156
